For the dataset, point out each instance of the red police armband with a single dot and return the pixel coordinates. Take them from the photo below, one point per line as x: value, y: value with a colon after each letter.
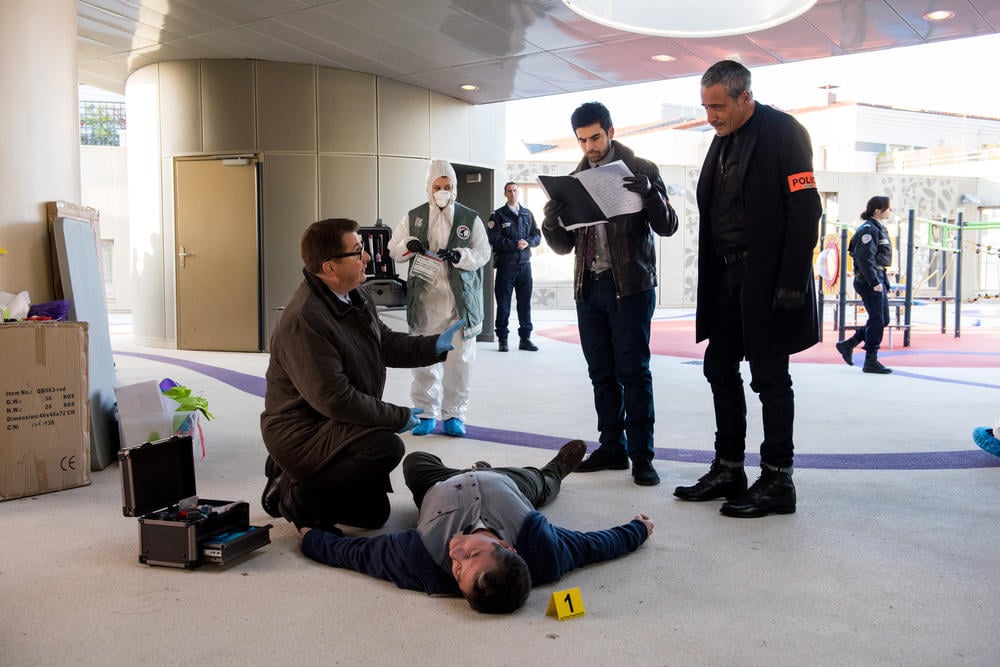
x: 804, y: 180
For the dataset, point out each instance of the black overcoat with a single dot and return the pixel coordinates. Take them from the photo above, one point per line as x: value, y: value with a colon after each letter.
x: 782, y: 209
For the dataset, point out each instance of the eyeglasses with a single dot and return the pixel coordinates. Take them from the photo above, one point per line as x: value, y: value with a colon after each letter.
x: 357, y: 254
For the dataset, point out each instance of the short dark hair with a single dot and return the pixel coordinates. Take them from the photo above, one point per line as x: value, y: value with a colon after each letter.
x: 876, y: 203
x: 503, y: 588
x: 734, y: 77
x: 589, y: 113
x: 508, y: 183
x: 323, y: 239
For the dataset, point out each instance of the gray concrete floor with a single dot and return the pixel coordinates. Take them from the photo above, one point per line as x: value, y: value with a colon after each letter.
x: 883, y: 566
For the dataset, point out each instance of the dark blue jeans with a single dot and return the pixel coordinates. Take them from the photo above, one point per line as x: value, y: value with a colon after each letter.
x: 516, y: 279
x: 877, y: 305
x: 614, y: 336
x: 769, y: 380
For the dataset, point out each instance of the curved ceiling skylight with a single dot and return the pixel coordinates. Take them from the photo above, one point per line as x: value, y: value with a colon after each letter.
x: 689, y: 18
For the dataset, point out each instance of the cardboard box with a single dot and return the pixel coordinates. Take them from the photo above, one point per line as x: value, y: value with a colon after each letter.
x: 45, y: 440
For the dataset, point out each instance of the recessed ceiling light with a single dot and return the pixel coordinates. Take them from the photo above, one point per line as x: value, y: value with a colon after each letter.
x: 705, y: 18
x: 469, y: 86
x: 939, y: 15
x: 664, y: 58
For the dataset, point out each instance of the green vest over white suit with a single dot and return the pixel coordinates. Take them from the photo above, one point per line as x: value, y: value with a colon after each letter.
x: 466, y: 286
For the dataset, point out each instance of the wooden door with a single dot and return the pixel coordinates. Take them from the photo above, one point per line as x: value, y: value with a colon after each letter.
x: 216, y: 254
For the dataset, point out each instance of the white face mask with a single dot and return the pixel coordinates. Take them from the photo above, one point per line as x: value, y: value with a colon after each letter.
x: 442, y: 198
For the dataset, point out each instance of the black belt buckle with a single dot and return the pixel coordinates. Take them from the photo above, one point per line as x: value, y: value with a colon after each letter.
x: 734, y: 257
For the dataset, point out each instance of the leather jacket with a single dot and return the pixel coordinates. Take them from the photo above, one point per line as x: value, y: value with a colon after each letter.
x: 630, y: 236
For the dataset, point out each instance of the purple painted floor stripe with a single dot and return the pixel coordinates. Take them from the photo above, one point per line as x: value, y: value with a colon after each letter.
x: 251, y: 384
x: 948, y: 460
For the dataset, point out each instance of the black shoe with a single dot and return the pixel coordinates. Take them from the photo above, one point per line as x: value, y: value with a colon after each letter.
x: 568, y: 458
x: 872, y: 364
x: 300, y: 519
x: 772, y: 493
x: 481, y: 465
x: 601, y: 459
x: 846, y: 351
x: 270, y: 499
x: 643, y: 473
x: 502, y: 345
x: 526, y: 344
x: 719, y: 481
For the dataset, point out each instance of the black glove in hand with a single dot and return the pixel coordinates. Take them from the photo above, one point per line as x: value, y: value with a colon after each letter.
x: 788, y: 299
x: 638, y: 184
x: 415, y: 246
x: 553, y: 209
x: 452, y: 256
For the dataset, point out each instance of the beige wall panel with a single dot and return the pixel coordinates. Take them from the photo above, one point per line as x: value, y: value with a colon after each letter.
x: 409, y: 179
x: 228, y: 105
x: 289, y: 195
x: 180, y: 107
x: 450, y: 127
x: 403, y: 120
x: 145, y: 207
x: 346, y: 112
x: 169, y: 253
x: 488, y: 137
x: 348, y: 188
x: 286, y: 107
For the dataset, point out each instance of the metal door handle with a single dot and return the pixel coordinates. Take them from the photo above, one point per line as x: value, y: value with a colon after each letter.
x: 184, y: 255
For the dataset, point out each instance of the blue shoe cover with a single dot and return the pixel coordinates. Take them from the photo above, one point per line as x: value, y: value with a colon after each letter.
x: 425, y: 426
x: 984, y: 438
x: 454, y: 427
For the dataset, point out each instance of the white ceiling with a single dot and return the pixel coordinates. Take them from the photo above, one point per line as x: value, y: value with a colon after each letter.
x: 510, y: 50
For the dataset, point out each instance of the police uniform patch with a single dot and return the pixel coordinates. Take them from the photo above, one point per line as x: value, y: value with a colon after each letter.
x: 464, y: 232
x: 866, y: 238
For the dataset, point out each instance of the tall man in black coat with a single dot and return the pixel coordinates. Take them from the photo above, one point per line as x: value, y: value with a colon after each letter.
x: 759, y: 211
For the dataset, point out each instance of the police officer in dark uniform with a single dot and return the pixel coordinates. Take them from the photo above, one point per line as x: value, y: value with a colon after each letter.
x: 871, y: 251
x: 512, y: 233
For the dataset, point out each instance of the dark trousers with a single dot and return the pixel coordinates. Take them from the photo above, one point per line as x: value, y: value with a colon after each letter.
x: 422, y: 471
x: 877, y: 305
x: 614, y: 335
x: 353, y: 488
x: 769, y: 380
x: 513, y: 279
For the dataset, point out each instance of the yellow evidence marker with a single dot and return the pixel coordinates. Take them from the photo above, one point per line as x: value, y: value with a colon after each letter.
x: 566, y: 604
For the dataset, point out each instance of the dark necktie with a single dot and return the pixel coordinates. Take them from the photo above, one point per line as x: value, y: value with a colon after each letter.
x: 590, y: 249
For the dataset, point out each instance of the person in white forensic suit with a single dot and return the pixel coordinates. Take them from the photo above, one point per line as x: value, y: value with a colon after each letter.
x: 446, y: 246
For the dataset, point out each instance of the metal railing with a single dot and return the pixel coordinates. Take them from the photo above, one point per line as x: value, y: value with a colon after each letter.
x: 101, y: 122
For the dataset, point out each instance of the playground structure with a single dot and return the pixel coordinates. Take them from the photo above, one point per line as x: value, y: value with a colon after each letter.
x: 928, y: 267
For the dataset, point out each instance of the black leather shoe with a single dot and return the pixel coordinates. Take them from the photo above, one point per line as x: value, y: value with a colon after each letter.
x: 568, y: 458
x: 502, y: 345
x: 846, y: 351
x: 772, y: 493
x: 294, y: 514
x: 271, y: 497
x: 526, y: 344
x: 602, y: 459
x: 643, y: 473
x: 719, y: 481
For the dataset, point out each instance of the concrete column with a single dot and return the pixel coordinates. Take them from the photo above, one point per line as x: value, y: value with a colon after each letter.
x: 39, y: 135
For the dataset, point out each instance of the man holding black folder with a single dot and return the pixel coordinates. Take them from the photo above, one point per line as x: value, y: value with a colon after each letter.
x: 614, y: 287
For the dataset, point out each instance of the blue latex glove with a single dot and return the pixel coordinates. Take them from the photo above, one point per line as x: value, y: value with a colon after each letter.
x: 413, y: 421
x: 443, y: 343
